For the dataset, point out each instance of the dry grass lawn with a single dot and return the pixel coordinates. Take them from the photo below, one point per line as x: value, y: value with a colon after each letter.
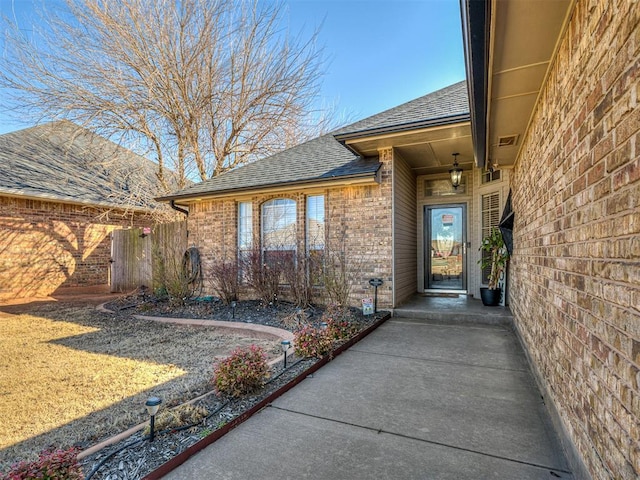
x: 70, y: 374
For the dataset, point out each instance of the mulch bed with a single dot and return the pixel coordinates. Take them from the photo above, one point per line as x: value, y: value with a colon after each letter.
x: 136, y: 457
x: 282, y: 314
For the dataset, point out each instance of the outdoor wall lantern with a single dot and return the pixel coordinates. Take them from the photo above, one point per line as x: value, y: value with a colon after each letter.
x: 286, y: 345
x: 455, y: 172
x: 152, y: 404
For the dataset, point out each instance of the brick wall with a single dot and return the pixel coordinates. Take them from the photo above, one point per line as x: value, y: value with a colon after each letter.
x: 358, y: 222
x: 45, y: 246
x: 575, y: 272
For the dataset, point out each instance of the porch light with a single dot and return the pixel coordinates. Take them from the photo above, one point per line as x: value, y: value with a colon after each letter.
x: 455, y: 172
x: 286, y: 345
x: 152, y: 404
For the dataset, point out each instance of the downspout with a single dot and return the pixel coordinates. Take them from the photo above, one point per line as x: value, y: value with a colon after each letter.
x: 172, y: 204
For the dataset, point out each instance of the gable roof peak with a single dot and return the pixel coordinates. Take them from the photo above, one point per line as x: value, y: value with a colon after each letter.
x: 448, y: 102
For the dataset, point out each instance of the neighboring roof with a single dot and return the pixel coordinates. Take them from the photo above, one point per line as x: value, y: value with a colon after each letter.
x: 436, y: 108
x: 326, y: 158
x: 61, y: 161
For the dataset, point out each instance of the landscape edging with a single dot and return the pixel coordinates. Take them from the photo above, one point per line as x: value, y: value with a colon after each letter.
x: 263, y: 330
x: 182, y: 457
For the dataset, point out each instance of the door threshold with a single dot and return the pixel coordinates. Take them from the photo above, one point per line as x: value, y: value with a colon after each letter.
x: 435, y: 293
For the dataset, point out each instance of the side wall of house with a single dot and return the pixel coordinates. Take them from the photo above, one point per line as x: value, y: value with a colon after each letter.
x: 45, y: 246
x: 575, y: 272
x: 357, y: 228
x: 405, y: 226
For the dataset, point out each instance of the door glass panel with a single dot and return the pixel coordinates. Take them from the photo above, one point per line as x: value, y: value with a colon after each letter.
x: 445, y: 234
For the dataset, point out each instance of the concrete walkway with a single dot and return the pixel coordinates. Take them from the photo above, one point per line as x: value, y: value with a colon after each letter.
x: 415, y: 399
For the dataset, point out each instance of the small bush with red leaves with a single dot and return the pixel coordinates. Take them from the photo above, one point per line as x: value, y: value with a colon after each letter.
x: 312, y: 342
x: 340, y: 330
x: 242, y: 372
x: 339, y: 322
x: 50, y: 465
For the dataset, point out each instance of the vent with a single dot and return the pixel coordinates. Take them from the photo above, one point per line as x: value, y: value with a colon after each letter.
x: 507, y: 141
x: 491, y: 176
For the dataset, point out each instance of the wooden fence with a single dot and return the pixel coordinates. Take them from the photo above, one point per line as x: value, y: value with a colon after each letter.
x: 135, y: 254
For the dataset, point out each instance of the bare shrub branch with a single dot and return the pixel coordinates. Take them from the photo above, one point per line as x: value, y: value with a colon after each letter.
x: 169, y: 277
x: 296, y: 278
x: 223, y: 276
x: 264, y: 278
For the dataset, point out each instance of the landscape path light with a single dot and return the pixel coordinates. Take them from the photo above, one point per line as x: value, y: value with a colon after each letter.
x: 152, y: 404
x: 234, y: 304
x: 286, y: 345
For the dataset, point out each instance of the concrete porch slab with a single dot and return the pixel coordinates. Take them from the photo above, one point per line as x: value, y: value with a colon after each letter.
x: 452, y: 309
x: 412, y: 400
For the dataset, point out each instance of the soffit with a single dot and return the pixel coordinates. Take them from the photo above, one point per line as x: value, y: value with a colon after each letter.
x: 427, y: 150
x: 524, y: 35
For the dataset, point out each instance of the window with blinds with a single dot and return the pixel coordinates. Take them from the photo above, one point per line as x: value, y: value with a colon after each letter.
x: 490, y: 219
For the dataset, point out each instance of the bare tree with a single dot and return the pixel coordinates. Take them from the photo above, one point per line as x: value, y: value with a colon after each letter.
x: 200, y: 85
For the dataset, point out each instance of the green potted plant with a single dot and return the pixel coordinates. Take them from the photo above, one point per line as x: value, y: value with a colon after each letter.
x: 493, y: 245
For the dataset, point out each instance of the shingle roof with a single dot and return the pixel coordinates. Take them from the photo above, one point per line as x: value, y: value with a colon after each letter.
x: 448, y: 102
x: 320, y: 159
x: 61, y: 161
x: 325, y: 157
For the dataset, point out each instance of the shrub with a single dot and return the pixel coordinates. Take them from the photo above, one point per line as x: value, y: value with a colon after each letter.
x: 178, y: 417
x: 224, y: 280
x: 296, y: 276
x: 335, y: 277
x: 339, y: 322
x: 264, y: 278
x: 242, y: 372
x: 341, y: 329
x: 295, y: 320
x: 312, y: 342
x: 50, y: 465
x: 336, y: 312
x: 168, y: 274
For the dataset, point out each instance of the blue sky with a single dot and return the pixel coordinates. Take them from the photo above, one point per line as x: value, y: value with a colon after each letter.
x: 381, y: 53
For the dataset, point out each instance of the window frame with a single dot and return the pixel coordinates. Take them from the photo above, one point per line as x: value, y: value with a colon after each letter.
x: 245, y: 236
x: 290, y: 238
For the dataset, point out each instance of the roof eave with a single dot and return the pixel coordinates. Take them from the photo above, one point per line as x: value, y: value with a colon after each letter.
x: 476, y: 25
x: 345, y: 137
x: 368, y: 177
x: 83, y: 203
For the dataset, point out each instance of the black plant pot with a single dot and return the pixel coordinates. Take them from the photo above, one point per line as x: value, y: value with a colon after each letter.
x: 490, y: 298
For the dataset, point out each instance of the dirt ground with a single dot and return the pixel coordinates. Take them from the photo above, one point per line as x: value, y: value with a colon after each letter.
x: 74, y: 375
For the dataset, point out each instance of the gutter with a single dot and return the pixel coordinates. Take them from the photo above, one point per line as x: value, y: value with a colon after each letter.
x: 172, y: 204
x: 372, y: 176
x: 436, y: 122
x: 68, y: 201
x: 476, y: 25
